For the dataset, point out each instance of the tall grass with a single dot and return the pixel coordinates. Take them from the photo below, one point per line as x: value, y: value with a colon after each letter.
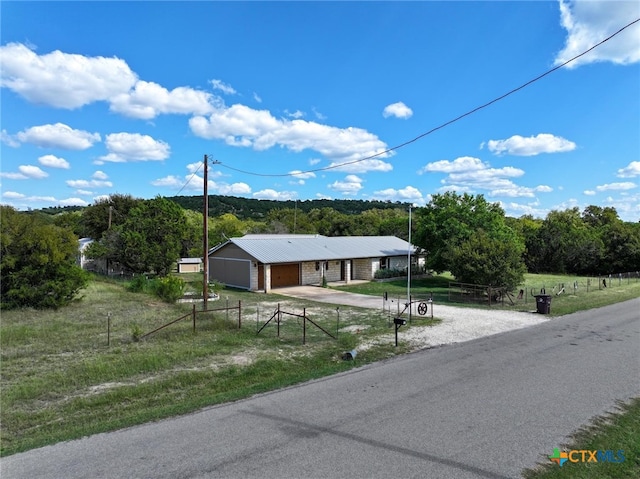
x: 77, y: 370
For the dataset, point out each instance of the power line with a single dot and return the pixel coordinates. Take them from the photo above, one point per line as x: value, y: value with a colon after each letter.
x: 189, y: 180
x: 458, y: 118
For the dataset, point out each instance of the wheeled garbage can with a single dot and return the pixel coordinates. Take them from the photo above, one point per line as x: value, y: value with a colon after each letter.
x: 543, y: 303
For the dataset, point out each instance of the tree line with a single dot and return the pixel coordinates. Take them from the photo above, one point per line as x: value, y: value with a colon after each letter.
x: 464, y: 234
x: 251, y: 208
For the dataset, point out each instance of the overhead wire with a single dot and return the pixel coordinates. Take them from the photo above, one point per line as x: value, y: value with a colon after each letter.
x: 443, y: 125
x: 189, y: 180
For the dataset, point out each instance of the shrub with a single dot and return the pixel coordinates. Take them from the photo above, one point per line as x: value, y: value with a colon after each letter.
x: 138, y: 284
x: 390, y: 273
x: 169, y: 288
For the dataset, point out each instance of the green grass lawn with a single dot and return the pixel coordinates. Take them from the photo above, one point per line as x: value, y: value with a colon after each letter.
x: 77, y: 371
x: 616, y: 432
x: 580, y: 293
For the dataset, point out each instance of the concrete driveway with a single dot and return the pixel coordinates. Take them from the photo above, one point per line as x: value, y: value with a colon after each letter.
x: 331, y: 296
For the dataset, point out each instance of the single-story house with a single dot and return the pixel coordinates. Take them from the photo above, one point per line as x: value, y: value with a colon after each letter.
x: 262, y: 262
x: 189, y: 265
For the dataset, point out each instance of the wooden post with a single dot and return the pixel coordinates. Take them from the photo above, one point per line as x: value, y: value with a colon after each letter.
x: 239, y: 314
x: 193, y: 314
x: 108, y: 328
x: 304, y: 326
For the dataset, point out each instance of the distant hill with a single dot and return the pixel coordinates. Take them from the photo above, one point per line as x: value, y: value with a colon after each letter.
x: 250, y: 208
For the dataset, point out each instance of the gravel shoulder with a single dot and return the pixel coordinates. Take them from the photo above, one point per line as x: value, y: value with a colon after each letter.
x: 457, y: 324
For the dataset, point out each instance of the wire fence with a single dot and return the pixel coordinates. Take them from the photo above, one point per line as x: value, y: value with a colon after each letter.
x: 527, y: 292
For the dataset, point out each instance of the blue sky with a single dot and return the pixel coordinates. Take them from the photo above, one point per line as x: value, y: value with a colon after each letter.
x: 292, y: 97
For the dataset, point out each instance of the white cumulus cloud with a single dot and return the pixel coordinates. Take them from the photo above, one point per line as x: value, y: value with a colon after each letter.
x: 81, y: 184
x: 53, y: 161
x: 33, y: 172
x: 406, y: 194
x: 464, y: 163
x: 271, y: 194
x: 627, y: 185
x: 349, y: 186
x: 530, y: 146
x: 398, y: 110
x: 630, y: 171
x: 58, y: 135
x: 13, y: 195
x: 468, y: 174
x: 73, y: 202
x: 125, y: 147
x: 588, y: 22
x: 242, y: 126
x: 147, y: 100
x: 60, y: 79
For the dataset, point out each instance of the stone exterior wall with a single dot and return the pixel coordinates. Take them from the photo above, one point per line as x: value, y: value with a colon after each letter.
x: 364, y: 268
x: 253, y: 277
x: 309, y: 273
x: 332, y: 270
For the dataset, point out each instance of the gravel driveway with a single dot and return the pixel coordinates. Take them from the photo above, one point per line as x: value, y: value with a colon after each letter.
x: 458, y: 324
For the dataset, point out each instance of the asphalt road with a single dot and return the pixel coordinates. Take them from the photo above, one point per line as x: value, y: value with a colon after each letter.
x: 486, y: 408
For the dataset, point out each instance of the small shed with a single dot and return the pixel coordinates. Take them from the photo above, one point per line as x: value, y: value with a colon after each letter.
x: 189, y: 265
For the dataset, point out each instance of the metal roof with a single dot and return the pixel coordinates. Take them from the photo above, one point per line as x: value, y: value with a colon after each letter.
x: 189, y: 261
x: 270, y: 249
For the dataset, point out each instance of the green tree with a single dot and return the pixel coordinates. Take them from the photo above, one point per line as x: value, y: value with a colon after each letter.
x: 621, y: 240
x: 289, y: 220
x: 568, y: 244
x: 449, y: 220
x: 107, y: 213
x: 526, y: 227
x: 226, y: 226
x: 71, y: 220
x: 192, y: 246
x: 481, y: 259
x: 150, y: 240
x: 38, y: 265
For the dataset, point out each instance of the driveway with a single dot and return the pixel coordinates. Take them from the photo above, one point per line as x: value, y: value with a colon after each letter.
x: 457, y: 324
x: 331, y: 296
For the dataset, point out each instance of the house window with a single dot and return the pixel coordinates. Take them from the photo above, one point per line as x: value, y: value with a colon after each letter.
x: 384, y: 263
x: 317, y: 265
x: 326, y: 265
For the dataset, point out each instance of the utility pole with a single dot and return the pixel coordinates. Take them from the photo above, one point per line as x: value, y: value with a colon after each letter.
x: 205, y: 235
x: 409, y: 266
x: 205, y: 232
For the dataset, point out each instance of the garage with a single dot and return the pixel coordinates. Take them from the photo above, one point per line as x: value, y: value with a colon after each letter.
x: 231, y: 271
x: 285, y: 275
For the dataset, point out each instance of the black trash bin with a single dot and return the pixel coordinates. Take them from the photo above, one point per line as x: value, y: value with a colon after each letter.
x: 543, y: 303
